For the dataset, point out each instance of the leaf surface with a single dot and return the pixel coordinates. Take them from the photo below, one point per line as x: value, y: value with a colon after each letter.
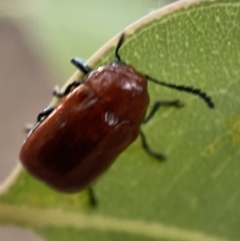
x: 194, y: 195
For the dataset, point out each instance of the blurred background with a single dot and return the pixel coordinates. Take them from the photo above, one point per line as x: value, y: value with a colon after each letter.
x: 37, y: 41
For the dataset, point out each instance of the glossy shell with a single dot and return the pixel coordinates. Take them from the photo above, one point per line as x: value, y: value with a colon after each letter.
x: 89, y: 128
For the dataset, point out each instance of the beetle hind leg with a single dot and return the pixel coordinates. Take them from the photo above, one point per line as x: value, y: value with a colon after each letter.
x: 92, y: 196
x: 45, y: 113
x: 28, y: 129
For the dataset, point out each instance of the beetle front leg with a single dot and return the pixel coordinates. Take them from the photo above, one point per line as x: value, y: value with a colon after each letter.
x: 81, y: 65
x: 158, y: 104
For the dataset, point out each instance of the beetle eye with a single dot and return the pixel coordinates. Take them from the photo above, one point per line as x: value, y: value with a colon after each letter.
x: 117, y: 62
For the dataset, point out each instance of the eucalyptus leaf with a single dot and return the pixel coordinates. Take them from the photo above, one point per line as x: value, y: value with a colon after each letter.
x: 194, y: 195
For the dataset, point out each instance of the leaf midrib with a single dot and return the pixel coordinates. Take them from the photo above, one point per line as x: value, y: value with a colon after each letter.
x: 62, y: 218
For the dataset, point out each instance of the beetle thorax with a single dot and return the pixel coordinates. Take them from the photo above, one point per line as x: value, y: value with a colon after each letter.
x: 122, y: 89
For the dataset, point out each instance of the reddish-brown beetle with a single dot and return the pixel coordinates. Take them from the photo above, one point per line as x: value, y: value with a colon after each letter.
x: 96, y: 120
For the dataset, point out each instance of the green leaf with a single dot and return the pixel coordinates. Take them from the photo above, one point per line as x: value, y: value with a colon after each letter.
x: 194, y: 195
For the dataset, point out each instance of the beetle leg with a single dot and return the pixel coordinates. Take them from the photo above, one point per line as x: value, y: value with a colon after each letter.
x: 92, y: 197
x: 149, y: 151
x: 158, y: 104
x: 46, y: 112
x: 41, y: 116
x: 69, y: 88
x: 81, y: 65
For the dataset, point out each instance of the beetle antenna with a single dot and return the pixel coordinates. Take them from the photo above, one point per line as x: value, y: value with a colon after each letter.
x: 188, y: 89
x: 119, y: 45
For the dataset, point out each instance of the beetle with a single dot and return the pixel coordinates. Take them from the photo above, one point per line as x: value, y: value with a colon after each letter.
x: 96, y: 119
